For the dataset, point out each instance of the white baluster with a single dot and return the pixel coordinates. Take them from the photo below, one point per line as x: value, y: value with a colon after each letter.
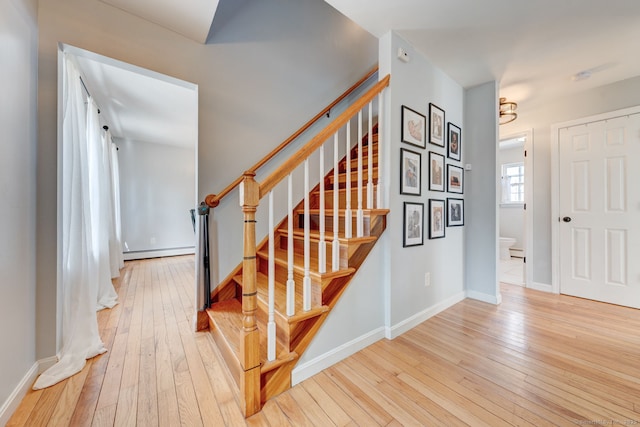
x: 291, y: 285
x: 347, y: 213
x: 335, y: 245
x: 306, y: 283
x: 360, y: 214
x: 370, y: 159
x: 322, y: 245
x: 379, y: 183
x: 271, y: 324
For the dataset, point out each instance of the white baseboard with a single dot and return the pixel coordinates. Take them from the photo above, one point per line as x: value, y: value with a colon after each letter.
x: 13, y: 401
x: 491, y: 299
x: 318, y: 364
x: 128, y: 256
x: 537, y: 286
x: 413, y: 321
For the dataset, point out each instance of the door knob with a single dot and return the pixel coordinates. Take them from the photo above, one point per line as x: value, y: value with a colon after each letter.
x: 567, y: 219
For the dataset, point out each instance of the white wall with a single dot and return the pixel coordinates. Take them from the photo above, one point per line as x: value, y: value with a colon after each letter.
x: 18, y: 85
x: 511, y: 216
x: 607, y: 98
x: 481, y: 144
x: 157, y: 190
x: 267, y: 69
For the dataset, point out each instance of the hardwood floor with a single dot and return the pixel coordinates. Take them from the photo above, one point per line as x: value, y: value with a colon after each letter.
x: 536, y: 360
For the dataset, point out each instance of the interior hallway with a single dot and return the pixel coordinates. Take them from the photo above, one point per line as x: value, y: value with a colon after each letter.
x: 537, y: 359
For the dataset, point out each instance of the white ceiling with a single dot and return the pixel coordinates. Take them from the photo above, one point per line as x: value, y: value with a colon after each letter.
x: 191, y: 18
x: 139, y: 104
x: 533, y: 48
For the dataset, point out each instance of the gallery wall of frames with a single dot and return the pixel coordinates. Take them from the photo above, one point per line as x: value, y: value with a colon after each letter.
x: 440, y: 142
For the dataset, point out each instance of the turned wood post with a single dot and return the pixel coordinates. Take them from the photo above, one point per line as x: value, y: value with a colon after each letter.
x: 250, y: 340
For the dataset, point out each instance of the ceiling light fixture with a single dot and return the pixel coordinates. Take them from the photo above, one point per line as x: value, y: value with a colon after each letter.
x: 507, y: 111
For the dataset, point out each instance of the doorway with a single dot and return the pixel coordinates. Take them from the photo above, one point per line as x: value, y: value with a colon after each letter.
x: 598, y: 208
x: 514, y: 196
x: 153, y: 122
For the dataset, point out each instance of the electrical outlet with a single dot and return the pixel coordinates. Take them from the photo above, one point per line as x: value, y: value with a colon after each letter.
x: 427, y: 280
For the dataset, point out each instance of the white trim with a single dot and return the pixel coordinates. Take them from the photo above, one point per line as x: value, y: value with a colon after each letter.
x: 555, y: 182
x: 330, y: 358
x: 128, y: 256
x: 491, y: 299
x: 542, y: 287
x: 413, y: 321
x: 528, y: 201
x: 528, y: 213
x: 13, y: 401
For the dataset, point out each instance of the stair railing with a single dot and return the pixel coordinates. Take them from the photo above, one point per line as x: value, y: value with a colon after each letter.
x: 213, y: 200
x: 251, y: 192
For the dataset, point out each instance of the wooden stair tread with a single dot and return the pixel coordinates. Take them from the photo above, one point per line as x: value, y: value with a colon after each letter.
x: 280, y: 299
x: 314, y: 236
x: 298, y: 261
x: 355, y: 173
x: 227, y: 317
x: 341, y: 212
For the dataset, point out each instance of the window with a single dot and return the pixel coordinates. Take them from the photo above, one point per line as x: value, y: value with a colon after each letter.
x: 513, y: 183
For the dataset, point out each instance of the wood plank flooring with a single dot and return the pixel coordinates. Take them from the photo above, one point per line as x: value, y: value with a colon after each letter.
x: 536, y: 360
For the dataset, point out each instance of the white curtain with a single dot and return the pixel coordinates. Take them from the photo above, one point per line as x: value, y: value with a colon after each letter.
x: 116, y: 256
x: 87, y: 221
x: 100, y: 197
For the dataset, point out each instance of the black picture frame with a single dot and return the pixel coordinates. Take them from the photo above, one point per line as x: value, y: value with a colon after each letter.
x: 454, y: 142
x: 410, y: 172
x: 436, y: 125
x: 437, y: 218
x: 436, y: 172
x: 455, y: 212
x: 413, y: 224
x: 414, y: 127
x: 455, y: 179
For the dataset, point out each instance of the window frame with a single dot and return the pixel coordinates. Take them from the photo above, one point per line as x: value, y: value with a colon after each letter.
x: 505, y: 186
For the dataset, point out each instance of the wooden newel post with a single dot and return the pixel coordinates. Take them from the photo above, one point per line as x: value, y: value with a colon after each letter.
x: 250, y: 340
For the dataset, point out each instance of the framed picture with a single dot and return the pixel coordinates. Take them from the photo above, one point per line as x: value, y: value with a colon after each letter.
x: 455, y: 212
x: 436, y: 125
x: 414, y: 127
x: 455, y: 179
x: 410, y: 170
x: 436, y: 218
x: 436, y: 171
x: 454, y: 146
x: 413, y: 224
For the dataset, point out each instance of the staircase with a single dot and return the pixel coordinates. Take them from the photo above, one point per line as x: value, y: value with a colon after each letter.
x: 265, y: 314
x: 295, y: 332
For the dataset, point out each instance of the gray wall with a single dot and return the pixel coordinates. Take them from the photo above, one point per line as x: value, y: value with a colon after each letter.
x: 157, y: 190
x: 415, y: 84
x: 18, y: 85
x: 600, y: 100
x: 388, y: 292
x: 481, y: 144
x: 267, y: 69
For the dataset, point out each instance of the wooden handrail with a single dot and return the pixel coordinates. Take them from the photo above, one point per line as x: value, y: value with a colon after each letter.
x: 293, y: 162
x: 213, y: 200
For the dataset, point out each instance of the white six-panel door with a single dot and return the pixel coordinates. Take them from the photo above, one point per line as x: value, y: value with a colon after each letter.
x: 599, y: 207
